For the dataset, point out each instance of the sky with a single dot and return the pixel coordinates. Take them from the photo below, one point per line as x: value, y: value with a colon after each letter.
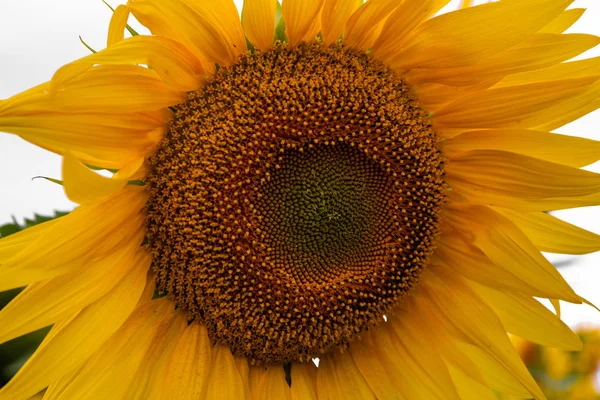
x: 39, y: 36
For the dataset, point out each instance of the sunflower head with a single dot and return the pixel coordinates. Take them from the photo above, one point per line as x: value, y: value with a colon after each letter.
x: 366, y: 183
x: 298, y: 191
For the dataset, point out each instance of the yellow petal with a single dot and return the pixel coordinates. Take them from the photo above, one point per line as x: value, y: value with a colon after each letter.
x: 535, y: 52
x: 102, y: 140
x: 467, y: 260
x: 574, y: 69
x: 43, y: 303
x: 145, y: 384
x: 401, y: 22
x: 334, y: 16
x: 338, y: 378
x: 186, y: 375
x: 467, y: 36
x: 300, y: 17
x: 210, y: 28
x: 73, y: 341
x: 469, y: 388
x: 506, y: 245
x: 304, y: 381
x: 453, y: 302
x: 407, y: 368
x: 82, y: 185
x: 430, y: 373
x: 523, y: 106
x: 110, y: 371
x: 268, y: 383
x: 561, y: 149
x: 551, y: 234
x: 109, y: 89
x: 364, y: 26
x: 117, y: 25
x: 13, y: 244
x: 516, y: 181
x: 258, y: 20
x: 528, y: 318
x: 225, y: 381
x: 244, y: 370
x: 442, y: 337
x: 178, y: 68
x: 573, y: 110
x: 90, y: 231
x: 563, y: 21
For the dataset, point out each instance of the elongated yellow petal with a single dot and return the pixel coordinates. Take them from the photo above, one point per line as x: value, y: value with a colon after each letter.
x: 186, y: 376
x: 304, y: 381
x: 73, y: 341
x: 102, y: 140
x: 563, y: 21
x: 116, y: 29
x: 561, y: 149
x: 551, y: 234
x: 210, y: 28
x: 110, y: 371
x: 528, y: 318
x: 467, y: 260
x: 145, y: 383
x: 178, y: 68
x: 442, y: 337
x: 401, y: 22
x: 430, y: 371
x: 115, y: 89
x: 15, y: 243
x: 364, y: 26
x: 574, y: 69
x: 469, y: 388
x: 573, y: 110
x: 334, y: 16
x: 461, y: 308
x: 338, y: 378
x: 523, y: 106
x: 270, y: 383
x: 225, y: 381
x: 516, y: 181
x: 300, y: 18
x: 258, y: 20
x: 244, y: 369
x: 82, y: 185
x: 90, y: 231
x: 535, y: 52
x: 407, y: 367
x: 43, y: 303
x: 506, y: 245
x: 467, y: 36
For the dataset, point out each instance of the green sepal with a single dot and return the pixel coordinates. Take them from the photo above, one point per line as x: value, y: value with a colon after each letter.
x: 87, y: 45
x: 53, y: 180
x: 279, y: 24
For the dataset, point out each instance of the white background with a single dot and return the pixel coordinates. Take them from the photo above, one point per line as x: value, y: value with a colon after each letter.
x: 39, y: 36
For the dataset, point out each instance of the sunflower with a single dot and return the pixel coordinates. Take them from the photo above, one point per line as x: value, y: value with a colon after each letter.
x: 366, y: 184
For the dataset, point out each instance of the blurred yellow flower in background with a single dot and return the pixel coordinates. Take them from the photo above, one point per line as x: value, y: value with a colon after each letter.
x: 565, y: 375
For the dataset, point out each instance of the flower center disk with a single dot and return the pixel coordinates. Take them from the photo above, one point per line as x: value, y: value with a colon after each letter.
x: 294, y: 200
